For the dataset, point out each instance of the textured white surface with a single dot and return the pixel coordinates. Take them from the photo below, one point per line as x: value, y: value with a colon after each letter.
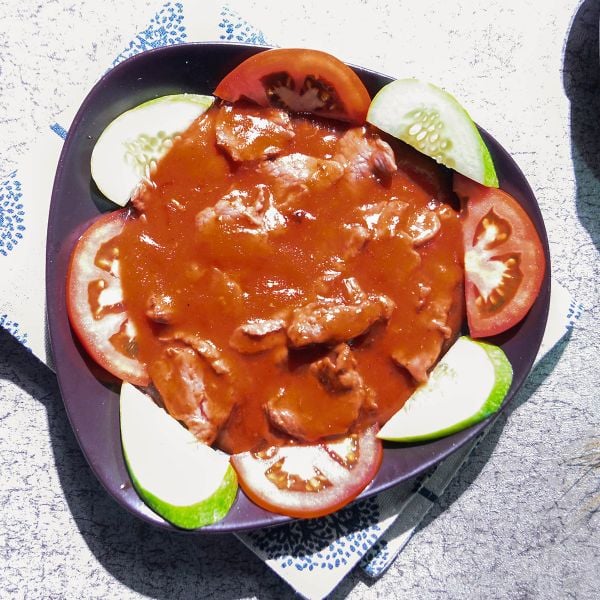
x: 521, y: 520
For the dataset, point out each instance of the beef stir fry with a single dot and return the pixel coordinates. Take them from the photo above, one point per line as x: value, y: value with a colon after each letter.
x: 289, y: 278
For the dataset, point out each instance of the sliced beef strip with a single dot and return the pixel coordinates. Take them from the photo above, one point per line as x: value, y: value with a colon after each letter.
x: 364, y: 155
x: 205, y: 348
x: 224, y: 288
x: 283, y: 416
x: 438, y: 311
x: 182, y: 381
x: 374, y: 222
x: 251, y: 211
x: 357, y: 237
x: 337, y: 371
x: 346, y: 395
x: 258, y: 335
x: 333, y: 320
x: 436, y: 314
x: 160, y: 309
x: 250, y: 133
x: 422, y: 226
x: 295, y: 174
x: 352, y: 291
x: 389, y: 219
x: 418, y: 363
x: 354, y: 238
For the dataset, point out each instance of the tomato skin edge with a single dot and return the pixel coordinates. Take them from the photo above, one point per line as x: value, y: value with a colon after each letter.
x: 476, y: 201
x: 242, y: 80
x: 308, y: 512
x: 142, y: 378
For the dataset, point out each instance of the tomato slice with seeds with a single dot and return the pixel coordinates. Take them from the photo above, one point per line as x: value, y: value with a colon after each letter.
x: 95, y: 300
x: 308, y: 481
x: 305, y: 81
x: 504, y: 258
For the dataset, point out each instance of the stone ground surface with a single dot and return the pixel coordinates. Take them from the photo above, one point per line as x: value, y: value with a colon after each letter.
x: 522, y: 518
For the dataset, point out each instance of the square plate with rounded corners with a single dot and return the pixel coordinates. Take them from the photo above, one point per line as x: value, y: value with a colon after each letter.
x: 91, y: 395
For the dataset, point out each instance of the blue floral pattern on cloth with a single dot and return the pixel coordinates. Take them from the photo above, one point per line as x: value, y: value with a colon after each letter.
x: 574, y: 313
x: 376, y: 559
x: 12, y: 214
x: 165, y: 29
x: 13, y: 328
x: 324, y: 543
x: 238, y: 30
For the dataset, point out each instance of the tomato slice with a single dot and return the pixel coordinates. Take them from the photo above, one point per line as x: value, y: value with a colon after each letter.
x: 504, y: 258
x: 95, y: 300
x: 306, y: 81
x: 308, y: 481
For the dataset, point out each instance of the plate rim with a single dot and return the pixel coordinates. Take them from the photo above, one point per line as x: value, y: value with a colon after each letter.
x: 54, y: 304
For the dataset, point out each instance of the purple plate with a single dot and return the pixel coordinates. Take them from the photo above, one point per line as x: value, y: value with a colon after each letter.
x: 90, y: 395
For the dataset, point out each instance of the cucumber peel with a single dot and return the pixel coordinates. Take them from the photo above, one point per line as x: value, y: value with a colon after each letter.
x: 131, y: 144
x: 466, y: 386
x: 433, y: 121
x: 185, y: 481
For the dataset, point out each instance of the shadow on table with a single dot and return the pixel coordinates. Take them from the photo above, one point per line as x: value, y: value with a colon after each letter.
x: 152, y: 562
x: 581, y: 80
x: 166, y: 565
x: 469, y: 472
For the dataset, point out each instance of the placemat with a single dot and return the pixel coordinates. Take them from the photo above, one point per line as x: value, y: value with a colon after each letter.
x: 313, y: 556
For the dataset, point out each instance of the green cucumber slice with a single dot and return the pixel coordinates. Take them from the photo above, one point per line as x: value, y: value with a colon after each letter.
x: 183, y: 480
x: 466, y: 386
x: 126, y: 149
x: 432, y: 121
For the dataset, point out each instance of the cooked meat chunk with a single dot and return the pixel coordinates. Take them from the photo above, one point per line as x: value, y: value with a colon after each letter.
x: 250, y: 211
x: 143, y: 192
x: 295, y: 174
x: 332, y: 320
x: 249, y: 133
x: 390, y: 219
x: 294, y: 413
x: 352, y: 291
x: 423, y: 225
x: 380, y: 221
x: 356, y: 238
x: 223, y: 288
x: 424, y: 291
x: 383, y: 220
x: 341, y: 391
x: 337, y: 372
x: 262, y: 327
x: 435, y: 315
x: 419, y: 361
x: 438, y: 313
x: 284, y: 415
x: 161, y: 309
x: 183, y: 385
x: 364, y: 155
x: 258, y: 335
x: 205, y: 348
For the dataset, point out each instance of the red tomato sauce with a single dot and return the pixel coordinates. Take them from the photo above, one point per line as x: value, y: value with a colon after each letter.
x: 289, y: 278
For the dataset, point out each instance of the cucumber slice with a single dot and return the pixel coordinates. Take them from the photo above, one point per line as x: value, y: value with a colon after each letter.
x: 465, y: 387
x: 127, y: 148
x: 432, y: 121
x: 183, y: 480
